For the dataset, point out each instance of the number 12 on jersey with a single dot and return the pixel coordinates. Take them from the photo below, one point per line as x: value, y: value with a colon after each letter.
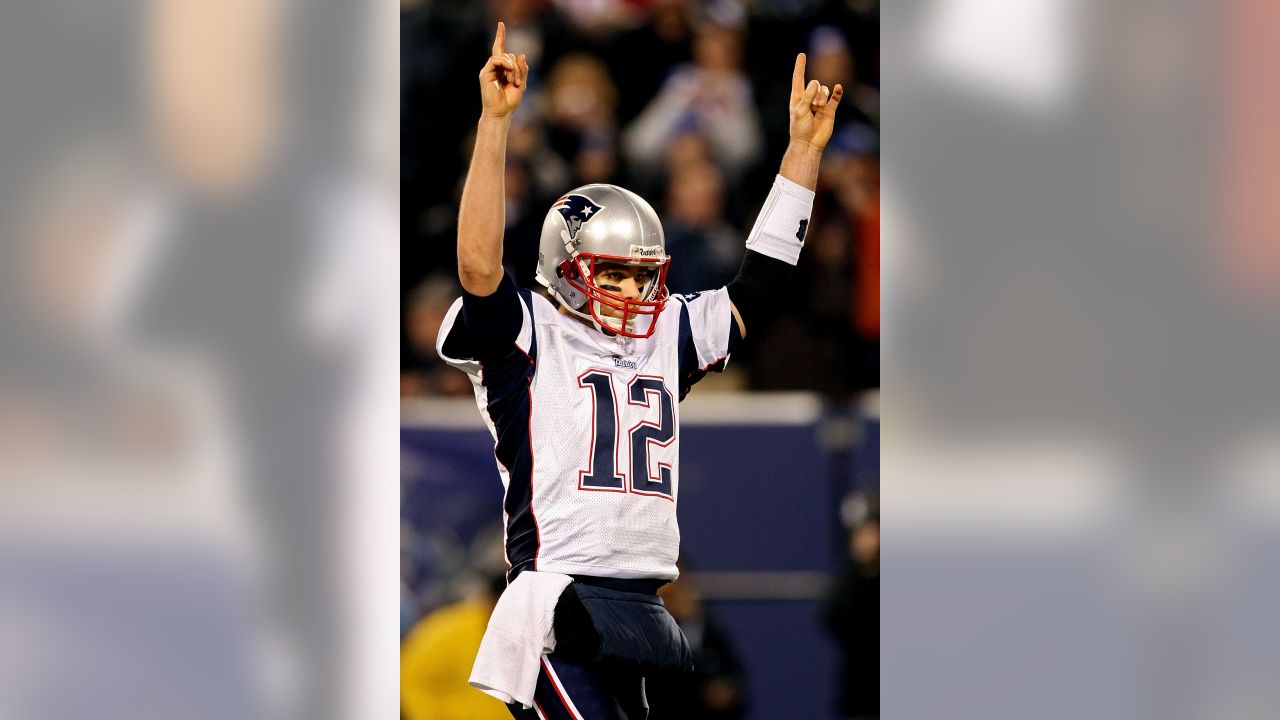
x: 602, y: 471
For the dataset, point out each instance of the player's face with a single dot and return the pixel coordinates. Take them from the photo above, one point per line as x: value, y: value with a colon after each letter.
x: 626, y: 281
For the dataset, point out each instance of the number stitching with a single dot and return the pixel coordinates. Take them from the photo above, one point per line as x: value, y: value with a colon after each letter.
x: 641, y: 457
x: 641, y: 437
x: 593, y: 478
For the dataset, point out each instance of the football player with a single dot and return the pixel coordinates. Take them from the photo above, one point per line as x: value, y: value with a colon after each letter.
x: 581, y: 394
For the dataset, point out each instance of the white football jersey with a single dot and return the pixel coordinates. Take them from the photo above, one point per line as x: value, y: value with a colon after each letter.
x: 587, y: 432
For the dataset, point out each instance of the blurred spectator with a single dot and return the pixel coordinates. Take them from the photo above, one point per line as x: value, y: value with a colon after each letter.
x: 580, y: 99
x: 597, y: 160
x: 859, y: 195
x: 600, y: 19
x: 525, y: 211
x: 548, y: 173
x: 831, y: 59
x: 689, y: 146
x: 853, y: 618
x: 421, y: 372
x: 643, y: 57
x: 436, y: 660
x: 539, y: 29
x: 713, y: 95
x: 854, y: 181
x: 715, y: 688
x: 705, y: 250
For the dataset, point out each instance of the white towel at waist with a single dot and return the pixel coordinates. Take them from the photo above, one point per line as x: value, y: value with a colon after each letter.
x: 519, y: 634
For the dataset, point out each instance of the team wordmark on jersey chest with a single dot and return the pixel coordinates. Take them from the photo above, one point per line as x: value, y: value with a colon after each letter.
x: 647, y: 398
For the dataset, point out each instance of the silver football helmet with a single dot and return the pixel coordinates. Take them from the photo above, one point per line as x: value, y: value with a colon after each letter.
x: 598, y: 225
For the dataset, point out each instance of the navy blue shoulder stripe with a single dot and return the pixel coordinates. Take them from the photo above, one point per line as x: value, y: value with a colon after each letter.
x: 686, y: 353
x: 527, y: 297
x: 687, y: 358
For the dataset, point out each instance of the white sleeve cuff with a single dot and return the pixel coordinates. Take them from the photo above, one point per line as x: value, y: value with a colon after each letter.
x: 780, y: 228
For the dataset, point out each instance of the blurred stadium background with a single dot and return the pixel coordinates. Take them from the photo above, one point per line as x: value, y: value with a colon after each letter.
x: 683, y: 101
x: 199, y: 360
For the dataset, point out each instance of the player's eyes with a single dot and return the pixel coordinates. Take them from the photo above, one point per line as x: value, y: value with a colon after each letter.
x: 617, y: 276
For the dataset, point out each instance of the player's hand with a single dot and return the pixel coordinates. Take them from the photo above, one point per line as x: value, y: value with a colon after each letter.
x: 503, y: 79
x: 813, y: 108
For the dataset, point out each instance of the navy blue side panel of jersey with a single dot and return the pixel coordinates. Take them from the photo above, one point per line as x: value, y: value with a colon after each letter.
x: 508, y: 385
x: 687, y: 352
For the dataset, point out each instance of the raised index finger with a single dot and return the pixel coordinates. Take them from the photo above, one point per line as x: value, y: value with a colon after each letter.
x: 500, y: 41
x: 797, y: 76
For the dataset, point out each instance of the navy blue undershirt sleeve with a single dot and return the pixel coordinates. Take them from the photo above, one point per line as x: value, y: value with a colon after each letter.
x: 735, y: 336
x: 757, y: 290
x: 487, y: 328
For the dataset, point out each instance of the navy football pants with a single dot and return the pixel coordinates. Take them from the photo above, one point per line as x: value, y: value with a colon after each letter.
x: 568, y: 691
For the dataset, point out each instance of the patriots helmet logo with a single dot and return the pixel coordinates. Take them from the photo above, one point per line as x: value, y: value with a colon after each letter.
x: 576, y: 210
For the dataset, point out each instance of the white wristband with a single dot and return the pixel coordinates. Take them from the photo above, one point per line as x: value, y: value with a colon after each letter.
x: 780, y: 228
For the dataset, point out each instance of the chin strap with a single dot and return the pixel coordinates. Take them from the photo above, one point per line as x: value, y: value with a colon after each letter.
x: 574, y: 311
x: 608, y: 326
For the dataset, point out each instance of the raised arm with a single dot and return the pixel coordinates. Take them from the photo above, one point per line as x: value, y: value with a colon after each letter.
x: 813, y: 116
x: 482, y: 215
x: 773, y: 248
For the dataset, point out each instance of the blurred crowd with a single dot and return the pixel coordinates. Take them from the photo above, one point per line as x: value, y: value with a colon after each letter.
x: 683, y: 101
